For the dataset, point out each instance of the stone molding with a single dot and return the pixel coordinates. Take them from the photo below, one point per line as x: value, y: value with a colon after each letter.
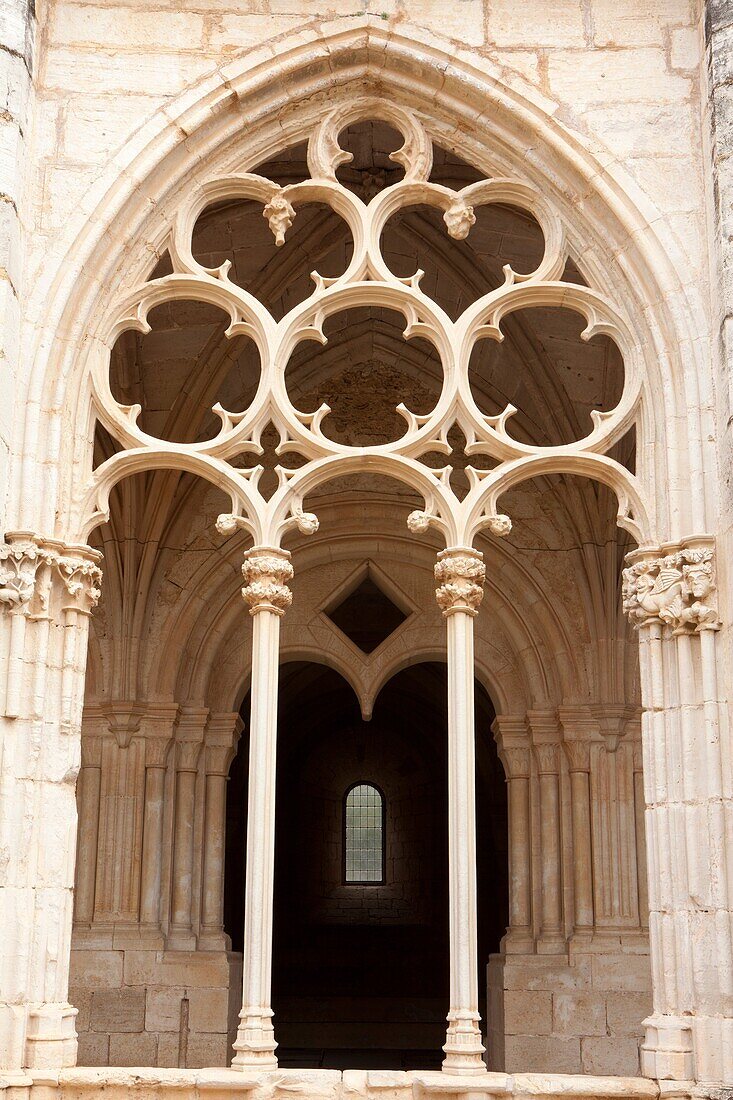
x: 674, y: 586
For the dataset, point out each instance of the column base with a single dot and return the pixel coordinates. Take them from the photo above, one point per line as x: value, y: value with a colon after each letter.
x: 552, y: 943
x: 464, y: 1051
x: 667, y: 1050
x: 255, y: 1043
x: 180, y: 939
x: 51, y: 1041
x: 213, y: 941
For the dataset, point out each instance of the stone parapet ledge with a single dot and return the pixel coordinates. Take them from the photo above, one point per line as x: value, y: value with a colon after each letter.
x: 317, y: 1084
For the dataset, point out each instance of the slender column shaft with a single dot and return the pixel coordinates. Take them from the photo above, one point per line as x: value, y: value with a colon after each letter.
x: 460, y: 574
x: 213, y: 851
x: 641, y: 865
x: 222, y: 734
x: 150, y: 879
x: 552, y: 938
x: 520, y: 900
x: 578, y: 756
x: 181, y: 935
x: 265, y: 570
x: 88, y: 831
x: 550, y: 837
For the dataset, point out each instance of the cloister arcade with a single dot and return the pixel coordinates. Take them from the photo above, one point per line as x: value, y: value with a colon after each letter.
x: 369, y: 374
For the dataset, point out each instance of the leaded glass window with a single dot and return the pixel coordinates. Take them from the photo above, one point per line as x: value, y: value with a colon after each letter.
x: 364, y: 834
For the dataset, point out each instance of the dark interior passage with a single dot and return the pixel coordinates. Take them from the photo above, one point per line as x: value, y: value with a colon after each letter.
x: 360, y: 972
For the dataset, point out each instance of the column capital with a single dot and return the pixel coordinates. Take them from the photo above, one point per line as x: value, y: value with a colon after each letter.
x: 460, y: 573
x: 266, y: 571
x: 220, y: 742
x: 674, y: 584
x: 578, y: 755
x: 516, y: 762
x: 91, y: 751
x: 73, y: 571
x: 548, y: 759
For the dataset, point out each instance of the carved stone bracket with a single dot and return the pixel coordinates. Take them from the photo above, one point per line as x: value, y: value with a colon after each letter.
x: 460, y: 574
x: 266, y: 572
x: 677, y: 588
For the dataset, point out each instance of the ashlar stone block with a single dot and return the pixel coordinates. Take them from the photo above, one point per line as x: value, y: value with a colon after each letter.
x: 118, y: 1010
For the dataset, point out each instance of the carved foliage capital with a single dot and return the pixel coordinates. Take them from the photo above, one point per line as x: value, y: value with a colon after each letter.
x: 73, y: 570
x: 460, y: 576
x: 266, y: 573
x: 19, y: 564
x: 516, y: 762
x: 82, y: 583
x: 548, y: 759
x: 578, y: 755
x: 677, y: 589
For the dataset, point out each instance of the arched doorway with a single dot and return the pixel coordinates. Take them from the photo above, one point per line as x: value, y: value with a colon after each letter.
x: 360, y: 970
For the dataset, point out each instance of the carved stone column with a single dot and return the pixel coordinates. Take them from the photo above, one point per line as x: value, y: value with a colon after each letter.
x: 47, y: 592
x: 543, y: 727
x: 577, y: 751
x: 266, y: 572
x: 158, y: 729
x: 516, y: 761
x: 460, y: 576
x: 222, y: 733
x: 670, y: 595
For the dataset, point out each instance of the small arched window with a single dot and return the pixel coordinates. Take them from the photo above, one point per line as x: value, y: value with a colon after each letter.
x: 364, y: 815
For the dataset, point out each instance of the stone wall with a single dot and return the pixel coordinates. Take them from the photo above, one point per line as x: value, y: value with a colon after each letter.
x: 579, y: 1013
x: 154, y: 1008
x: 17, y: 64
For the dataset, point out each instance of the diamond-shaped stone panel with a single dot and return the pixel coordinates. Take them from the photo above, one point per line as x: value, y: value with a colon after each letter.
x: 367, y: 616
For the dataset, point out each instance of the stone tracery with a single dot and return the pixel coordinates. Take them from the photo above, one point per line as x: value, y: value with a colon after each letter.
x: 280, y: 211
x: 369, y: 281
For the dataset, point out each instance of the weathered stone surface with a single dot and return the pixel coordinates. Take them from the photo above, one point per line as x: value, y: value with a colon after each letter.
x: 118, y: 1010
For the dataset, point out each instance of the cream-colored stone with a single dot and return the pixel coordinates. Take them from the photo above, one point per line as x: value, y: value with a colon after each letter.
x: 163, y: 1010
x: 593, y: 79
x: 131, y: 1050
x: 118, y: 1010
x: 579, y: 1014
x: 616, y: 973
x: 552, y: 25
x: 209, y: 1010
x: 625, y: 1010
x: 532, y: 1053
x: 594, y: 110
x: 604, y: 1056
x: 527, y: 1013
x: 115, y: 27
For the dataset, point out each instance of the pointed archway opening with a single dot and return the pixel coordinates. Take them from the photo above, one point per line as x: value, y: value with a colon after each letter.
x: 360, y: 968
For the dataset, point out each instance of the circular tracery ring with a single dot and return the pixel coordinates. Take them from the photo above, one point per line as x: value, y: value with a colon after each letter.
x: 367, y: 281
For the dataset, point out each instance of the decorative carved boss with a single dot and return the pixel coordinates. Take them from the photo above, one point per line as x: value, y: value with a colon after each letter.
x: 367, y: 281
